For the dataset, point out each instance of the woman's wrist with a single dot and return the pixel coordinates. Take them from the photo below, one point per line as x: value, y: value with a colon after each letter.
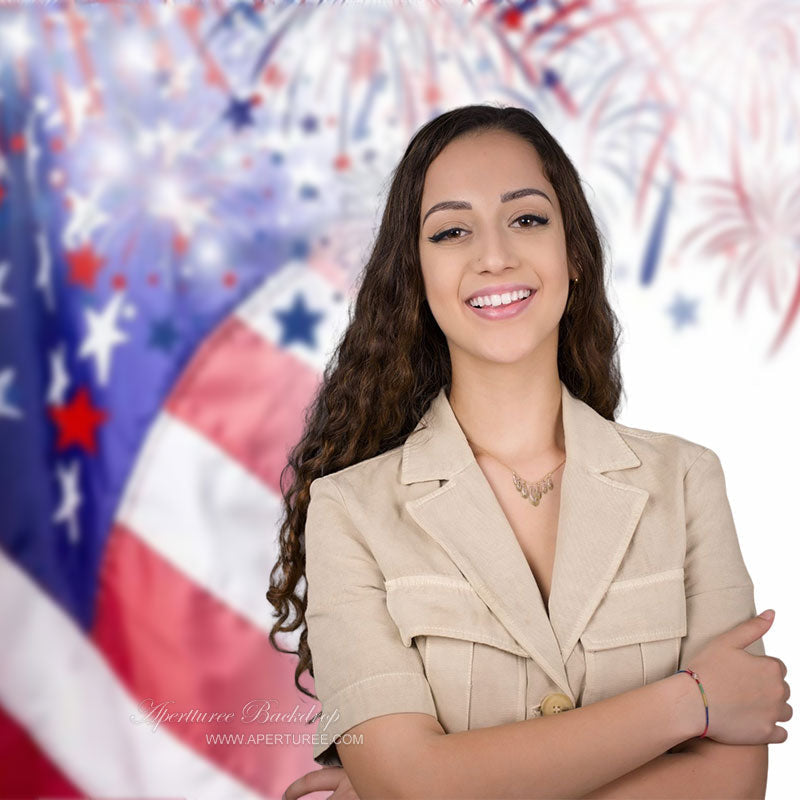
x: 689, y: 712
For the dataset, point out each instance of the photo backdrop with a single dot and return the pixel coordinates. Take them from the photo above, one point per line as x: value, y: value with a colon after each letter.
x: 188, y: 192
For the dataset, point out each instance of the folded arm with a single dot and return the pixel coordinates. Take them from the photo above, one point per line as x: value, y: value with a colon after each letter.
x: 700, y: 768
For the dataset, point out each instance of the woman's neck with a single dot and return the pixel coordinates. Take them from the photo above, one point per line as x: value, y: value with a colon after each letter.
x: 520, y: 426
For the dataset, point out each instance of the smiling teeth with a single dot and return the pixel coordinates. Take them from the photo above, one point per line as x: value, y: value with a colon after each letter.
x: 499, y: 299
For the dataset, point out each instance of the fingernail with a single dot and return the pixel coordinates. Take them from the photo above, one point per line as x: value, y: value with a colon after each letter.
x: 769, y: 614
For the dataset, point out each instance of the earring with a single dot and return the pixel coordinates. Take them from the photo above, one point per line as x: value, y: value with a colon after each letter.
x: 574, y: 282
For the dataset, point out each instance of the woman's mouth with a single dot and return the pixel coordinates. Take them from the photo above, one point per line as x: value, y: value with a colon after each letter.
x: 503, y: 311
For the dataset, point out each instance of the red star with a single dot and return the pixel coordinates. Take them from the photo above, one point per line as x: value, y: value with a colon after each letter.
x: 2, y: 192
x: 274, y: 76
x: 341, y: 162
x: 77, y: 422
x: 512, y: 19
x: 180, y: 244
x: 432, y: 94
x: 17, y: 143
x: 229, y: 279
x: 84, y: 264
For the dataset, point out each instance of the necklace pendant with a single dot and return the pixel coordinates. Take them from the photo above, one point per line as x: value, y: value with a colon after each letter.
x: 533, y: 491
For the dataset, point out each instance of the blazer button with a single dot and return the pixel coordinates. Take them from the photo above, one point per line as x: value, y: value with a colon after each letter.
x: 556, y: 703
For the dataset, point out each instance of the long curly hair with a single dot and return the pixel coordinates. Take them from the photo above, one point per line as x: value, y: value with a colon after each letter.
x: 393, y: 358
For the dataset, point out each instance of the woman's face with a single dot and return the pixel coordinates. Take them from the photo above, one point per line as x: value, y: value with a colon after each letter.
x: 493, y: 242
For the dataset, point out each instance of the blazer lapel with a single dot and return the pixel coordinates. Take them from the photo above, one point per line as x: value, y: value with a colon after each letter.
x: 597, y: 518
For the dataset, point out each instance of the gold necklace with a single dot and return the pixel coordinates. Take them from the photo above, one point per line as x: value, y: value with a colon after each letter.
x: 530, y: 491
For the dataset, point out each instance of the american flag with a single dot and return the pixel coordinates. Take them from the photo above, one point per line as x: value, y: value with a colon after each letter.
x: 159, y: 340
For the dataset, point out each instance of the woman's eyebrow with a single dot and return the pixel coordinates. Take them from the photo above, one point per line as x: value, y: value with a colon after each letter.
x: 461, y: 205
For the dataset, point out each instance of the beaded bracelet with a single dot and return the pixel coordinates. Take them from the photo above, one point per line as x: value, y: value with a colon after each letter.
x: 694, y: 675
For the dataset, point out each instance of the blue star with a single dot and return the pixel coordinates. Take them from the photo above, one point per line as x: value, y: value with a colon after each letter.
x: 297, y: 323
x: 163, y: 334
x: 309, y: 123
x: 551, y: 79
x: 240, y: 113
x: 299, y: 249
x: 683, y: 311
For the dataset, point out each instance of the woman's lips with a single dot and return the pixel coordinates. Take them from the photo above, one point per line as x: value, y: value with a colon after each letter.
x: 503, y: 312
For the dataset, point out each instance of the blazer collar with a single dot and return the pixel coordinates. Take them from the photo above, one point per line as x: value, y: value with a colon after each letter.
x: 597, y: 518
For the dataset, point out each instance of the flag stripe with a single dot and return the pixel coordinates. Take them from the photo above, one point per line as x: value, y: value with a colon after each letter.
x: 244, y: 394
x: 205, y: 514
x: 59, y: 687
x: 171, y: 641
x: 33, y: 773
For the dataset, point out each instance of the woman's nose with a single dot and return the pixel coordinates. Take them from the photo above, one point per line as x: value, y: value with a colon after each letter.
x: 494, y: 251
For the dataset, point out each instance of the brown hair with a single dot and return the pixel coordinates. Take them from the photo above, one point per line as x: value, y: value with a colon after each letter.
x: 393, y: 358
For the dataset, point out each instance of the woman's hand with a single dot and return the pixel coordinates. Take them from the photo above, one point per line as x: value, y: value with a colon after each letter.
x: 747, y: 693
x: 319, y: 780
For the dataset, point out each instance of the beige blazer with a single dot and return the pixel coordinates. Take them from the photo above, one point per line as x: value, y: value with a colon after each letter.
x: 421, y: 599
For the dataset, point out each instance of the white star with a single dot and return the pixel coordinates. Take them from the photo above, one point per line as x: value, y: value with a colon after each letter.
x: 59, y: 377
x: 5, y: 299
x: 168, y: 200
x: 44, y: 275
x: 6, y: 409
x: 167, y: 142
x: 103, y: 336
x: 71, y: 499
x: 85, y: 216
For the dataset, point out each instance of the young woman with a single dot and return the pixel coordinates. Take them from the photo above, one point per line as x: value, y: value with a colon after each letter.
x: 484, y: 548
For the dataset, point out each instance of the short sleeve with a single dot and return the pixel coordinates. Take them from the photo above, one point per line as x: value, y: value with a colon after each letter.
x: 719, y: 590
x: 362, y: 669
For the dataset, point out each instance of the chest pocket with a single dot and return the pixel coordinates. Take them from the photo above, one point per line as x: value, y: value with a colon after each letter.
x: 634, y: 636
x: 475, y: 668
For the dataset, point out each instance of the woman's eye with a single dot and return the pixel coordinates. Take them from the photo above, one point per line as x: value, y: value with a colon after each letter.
x: 444, y: 235
x: 541, y: 220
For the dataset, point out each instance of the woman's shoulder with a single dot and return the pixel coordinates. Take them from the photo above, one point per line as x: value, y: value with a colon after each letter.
x: 660, y: 445
x: 371, y: 472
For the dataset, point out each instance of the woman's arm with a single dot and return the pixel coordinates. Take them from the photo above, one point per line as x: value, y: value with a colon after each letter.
x: 703, y: 768
x: 564, y: 755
